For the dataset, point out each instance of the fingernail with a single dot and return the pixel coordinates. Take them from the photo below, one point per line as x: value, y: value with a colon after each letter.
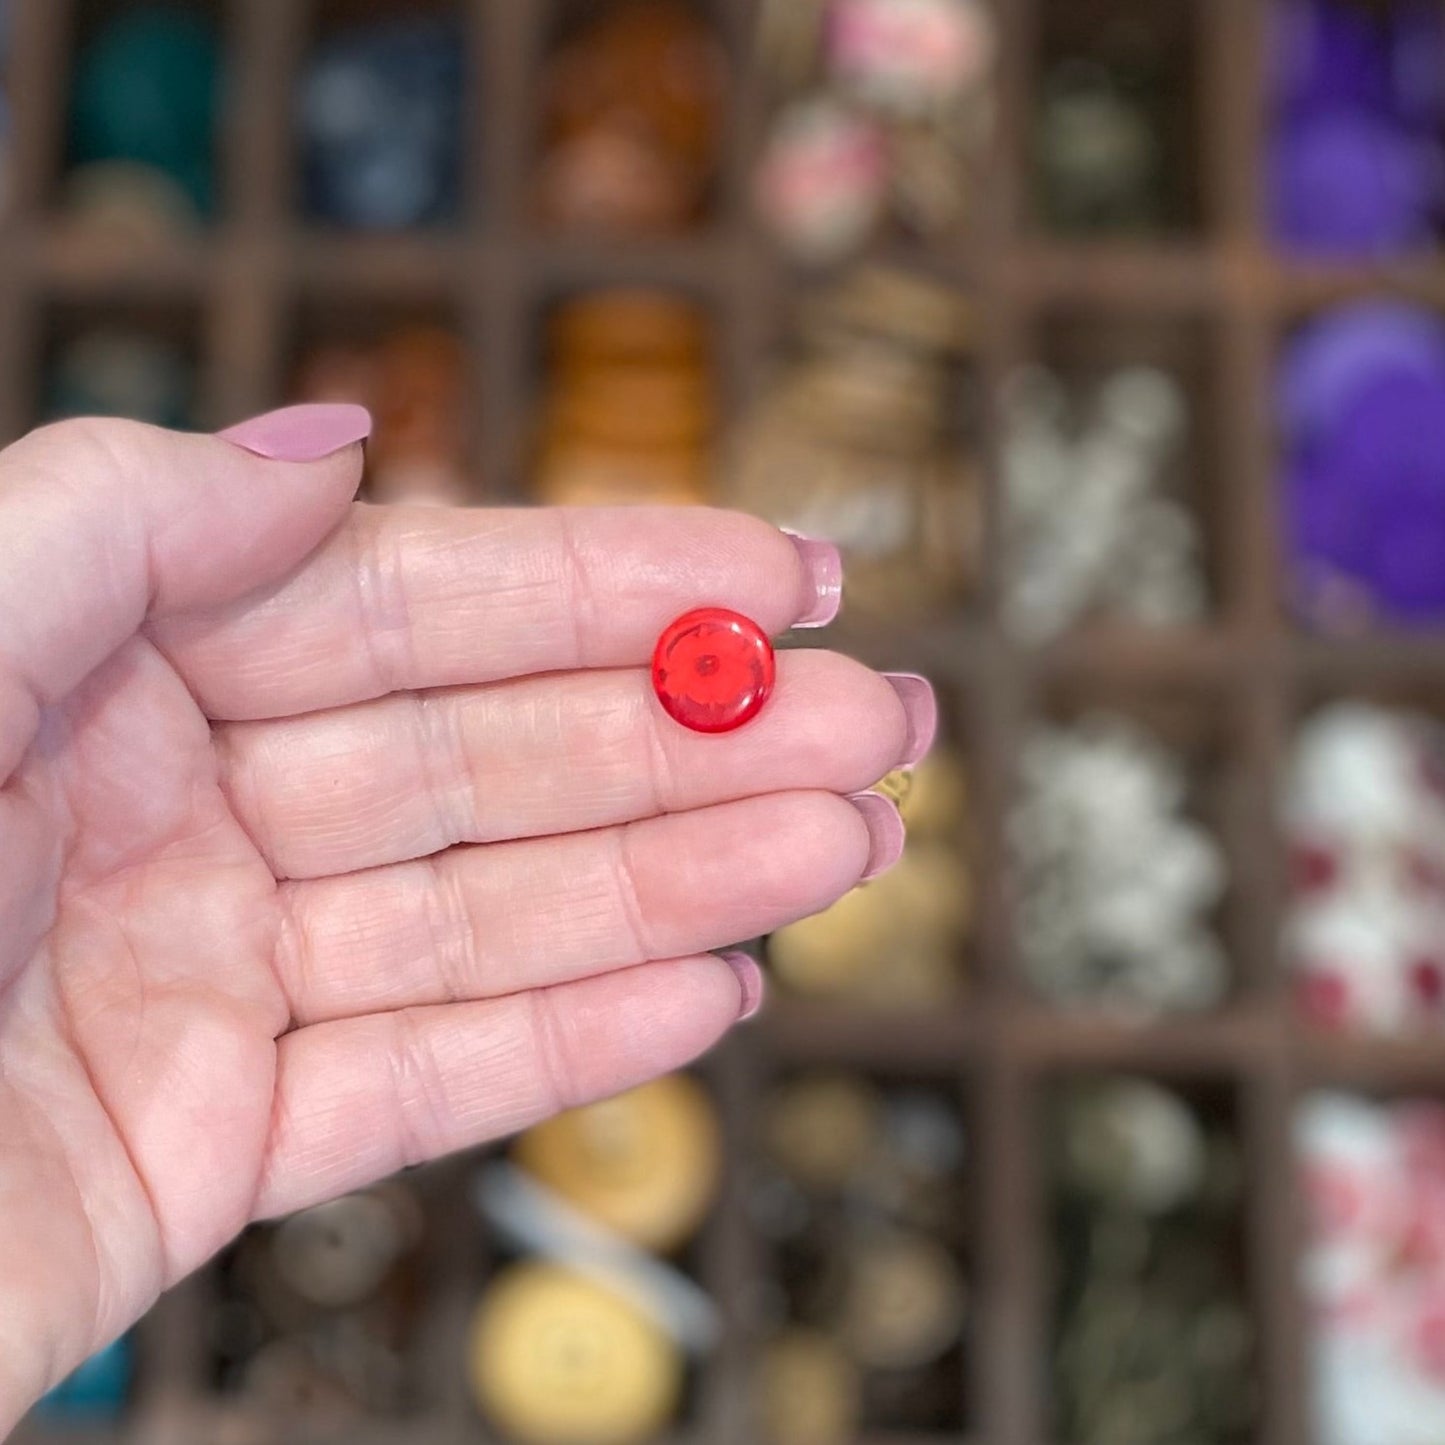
x: 885, y: 831
x: 921, y: 708
x: 823, y: 565
x: 750, y: 980
x: 302, y: 433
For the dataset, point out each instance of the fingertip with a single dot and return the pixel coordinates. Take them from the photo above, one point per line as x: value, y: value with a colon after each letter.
x: 708, y: 1000
x: 752, y: 988
x: 886, y: 833
x: 920, y: 707
x: 821, y: 564
x: 781, y: 856
x: 648, y: 1020
x: 840, y: 834
x: 850, y: 723
x: 781, y: 579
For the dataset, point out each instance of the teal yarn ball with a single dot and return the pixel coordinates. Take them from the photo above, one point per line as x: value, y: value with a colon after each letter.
x: 146, y: 89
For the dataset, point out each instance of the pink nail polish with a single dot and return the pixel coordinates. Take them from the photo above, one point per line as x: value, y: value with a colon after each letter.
x: 301, y: 433
x: 886, y: 832
x: 750, y: 980
x: 921, y: 707
x: 823, y: 566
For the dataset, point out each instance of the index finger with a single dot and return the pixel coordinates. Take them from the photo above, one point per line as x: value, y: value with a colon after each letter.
x: 402, y: 599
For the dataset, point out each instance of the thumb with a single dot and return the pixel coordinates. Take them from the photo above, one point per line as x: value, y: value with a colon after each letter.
x: 106, y: 523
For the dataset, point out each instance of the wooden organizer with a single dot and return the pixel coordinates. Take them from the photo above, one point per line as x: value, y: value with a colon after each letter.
x: 1215, y: 287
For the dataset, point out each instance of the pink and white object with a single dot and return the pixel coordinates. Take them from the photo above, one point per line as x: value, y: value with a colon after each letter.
x: 910, y: 56
x: 1364, y: 811
x: 1374, y: 1268
x: 823, y: 182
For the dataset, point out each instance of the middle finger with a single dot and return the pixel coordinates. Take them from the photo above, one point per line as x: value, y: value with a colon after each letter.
x: 412, y: 774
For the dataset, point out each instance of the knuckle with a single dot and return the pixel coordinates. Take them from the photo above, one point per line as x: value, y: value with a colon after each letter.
x: 576, y: 585
x: 556, y: 1058
x: 449, y: 775
x: 656, y: 764
x: 106, y: 436
x: 383, y: 604
x: 452, y: 931
x: 419, y: 1100
x: 78, y: 452
x: 631, y: 911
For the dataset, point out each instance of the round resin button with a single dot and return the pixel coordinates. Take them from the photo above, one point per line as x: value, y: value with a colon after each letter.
x: 713, y: 670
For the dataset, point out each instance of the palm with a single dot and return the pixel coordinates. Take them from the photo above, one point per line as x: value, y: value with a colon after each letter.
x: 140, y: 1044
x: 363, y: 841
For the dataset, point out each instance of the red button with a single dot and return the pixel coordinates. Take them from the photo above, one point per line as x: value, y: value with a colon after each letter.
x: 713, y: 670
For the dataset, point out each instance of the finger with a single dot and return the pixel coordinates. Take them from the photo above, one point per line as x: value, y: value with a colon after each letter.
x: 483, y: 922
x: 105, y: 522
x: 409, y: 598
x: 415, y: 773
x: 359, y: 1099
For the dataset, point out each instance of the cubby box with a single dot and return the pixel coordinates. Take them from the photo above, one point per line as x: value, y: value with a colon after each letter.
x: 821, y: 1234
x: 340, y: 347
x: 699, y: 70
x: 1124, y: 81
x: 143, y: 360
x: 1149, y: 1207
x: 1193, y: 721
x: 1084, y: 347
x: 78, y: 122
x: 452, y: 59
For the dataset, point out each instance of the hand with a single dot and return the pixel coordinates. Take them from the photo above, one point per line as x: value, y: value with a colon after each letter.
x: 334, y: 838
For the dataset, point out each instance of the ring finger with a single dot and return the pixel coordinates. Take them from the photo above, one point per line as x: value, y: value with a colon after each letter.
x: 476, y: 923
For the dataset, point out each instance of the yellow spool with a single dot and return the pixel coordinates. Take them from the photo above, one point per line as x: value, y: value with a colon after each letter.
x: 559, y: 1360
x: 644, y: 1164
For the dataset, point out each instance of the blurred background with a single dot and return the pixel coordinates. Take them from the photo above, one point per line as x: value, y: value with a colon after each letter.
x: 1108, y: 339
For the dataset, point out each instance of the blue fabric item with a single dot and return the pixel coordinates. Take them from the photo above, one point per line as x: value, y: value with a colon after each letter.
x: 98, y: 1389
x: 381, y: 122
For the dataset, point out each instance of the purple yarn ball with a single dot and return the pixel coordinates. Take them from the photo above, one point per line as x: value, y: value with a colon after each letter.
x: 1392, y: 436
x: 1407, y: 571
x: 1331, y: 53
x: 1323, y: 520
x: 1330, y: 362
x: 1371, y: 507
x: 1352, y: 183
x: 1417, y: 64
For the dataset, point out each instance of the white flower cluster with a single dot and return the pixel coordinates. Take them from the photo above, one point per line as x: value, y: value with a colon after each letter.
x: 1089, y: 525
x: 1117, y: 882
